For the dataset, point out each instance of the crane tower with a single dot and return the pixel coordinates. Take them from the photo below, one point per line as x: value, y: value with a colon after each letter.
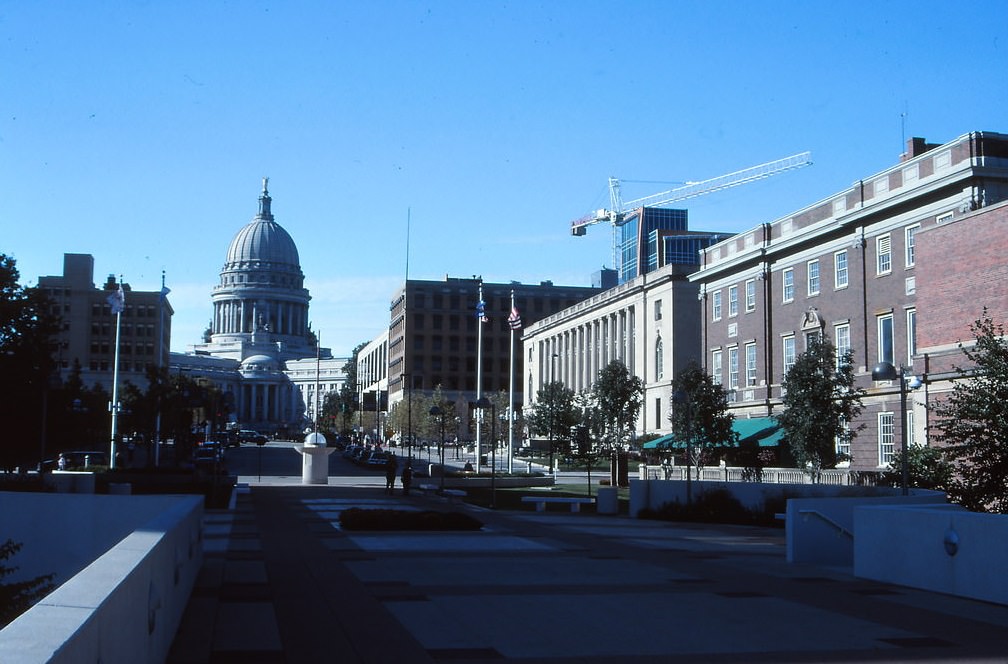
x: 619, y: 211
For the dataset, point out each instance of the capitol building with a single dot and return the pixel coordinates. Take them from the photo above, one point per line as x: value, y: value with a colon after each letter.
x: 260, y: 350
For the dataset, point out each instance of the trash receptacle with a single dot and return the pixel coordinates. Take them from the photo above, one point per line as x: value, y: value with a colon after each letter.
x: 607, y: 501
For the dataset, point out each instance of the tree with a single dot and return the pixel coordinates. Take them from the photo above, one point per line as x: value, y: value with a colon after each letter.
x: 553, y: 415
x: 28, y: 328
x: 17, y: 597
x: 820, y: 401
x: 972, y: 422
x: 699, y: 415
x: 618, y: 396
x: 927, y: 468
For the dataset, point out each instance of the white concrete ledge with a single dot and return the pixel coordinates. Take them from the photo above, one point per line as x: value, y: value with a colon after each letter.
x: 126, y: 605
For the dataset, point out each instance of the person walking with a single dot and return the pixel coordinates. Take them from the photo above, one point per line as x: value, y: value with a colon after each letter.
x: 407, y: 478
x: 391, y: 466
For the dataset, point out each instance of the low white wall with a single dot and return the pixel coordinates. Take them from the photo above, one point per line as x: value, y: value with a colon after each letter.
x: 906, y: 546
x: 126, y: 605
x: 822, y: 530
x: 753, y: 495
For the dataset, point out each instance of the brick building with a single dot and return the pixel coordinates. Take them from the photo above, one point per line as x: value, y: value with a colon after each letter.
x: 848, y: 267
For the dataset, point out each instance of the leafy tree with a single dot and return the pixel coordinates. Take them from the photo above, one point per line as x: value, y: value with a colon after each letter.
x: 927, y: 468
x: 820, y: 401
x: 700, y: 414
x: 553, y: 415
x: 619, y: 397
x: 973, y: 421
x: 27, y: 342
x: 18, y: 597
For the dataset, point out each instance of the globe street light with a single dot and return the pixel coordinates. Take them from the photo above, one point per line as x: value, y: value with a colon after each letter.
x: 886, y: 371
x: 437, y: 412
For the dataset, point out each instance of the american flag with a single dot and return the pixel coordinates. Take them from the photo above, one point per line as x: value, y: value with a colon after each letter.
x: 514, y: 320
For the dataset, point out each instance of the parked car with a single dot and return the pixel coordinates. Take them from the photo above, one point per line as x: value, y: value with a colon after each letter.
x: 209, y: 452
x: 251, y: 436
x: 376, y: 460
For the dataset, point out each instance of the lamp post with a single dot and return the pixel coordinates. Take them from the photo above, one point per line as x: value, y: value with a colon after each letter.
x: 886, y: 371
x: 553, y: 359
x: 483, y: 404
x: 437, y: 412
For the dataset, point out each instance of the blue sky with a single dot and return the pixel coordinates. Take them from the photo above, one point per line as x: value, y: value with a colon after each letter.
x: 139, y: 132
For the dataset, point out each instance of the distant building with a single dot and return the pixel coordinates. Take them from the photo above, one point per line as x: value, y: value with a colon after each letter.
x: 653, y: 237
x: 261, y: 353
x: 88, y: 334
x: 849, y: 267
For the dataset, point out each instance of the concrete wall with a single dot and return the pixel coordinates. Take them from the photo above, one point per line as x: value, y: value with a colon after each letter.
x: 906, y: 546
x: 126, y: 605
x: 753, y: 495
x: 822, y: 531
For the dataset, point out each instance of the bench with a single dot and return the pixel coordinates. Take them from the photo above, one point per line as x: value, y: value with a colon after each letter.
x: 540, y: 502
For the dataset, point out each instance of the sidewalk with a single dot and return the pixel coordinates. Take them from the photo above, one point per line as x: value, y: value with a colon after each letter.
x: 281, y: 584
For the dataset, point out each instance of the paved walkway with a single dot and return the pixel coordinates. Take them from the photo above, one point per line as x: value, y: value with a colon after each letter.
x: 282, y: 583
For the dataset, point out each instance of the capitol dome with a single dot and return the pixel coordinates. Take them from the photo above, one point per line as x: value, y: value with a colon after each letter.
x: 263, y: 243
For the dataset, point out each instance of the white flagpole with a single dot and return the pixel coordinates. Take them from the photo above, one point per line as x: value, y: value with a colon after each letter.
x: 115, y: 380
x: 510, y: 410
x: 479, y: 374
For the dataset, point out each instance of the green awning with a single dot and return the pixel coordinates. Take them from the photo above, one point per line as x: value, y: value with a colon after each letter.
x: 765, y: 431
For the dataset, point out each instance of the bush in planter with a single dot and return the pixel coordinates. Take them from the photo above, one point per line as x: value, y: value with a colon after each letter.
x: 714, y: 506
x: 389, y: 519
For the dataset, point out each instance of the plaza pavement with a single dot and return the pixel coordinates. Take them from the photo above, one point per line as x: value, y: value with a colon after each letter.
x: 282, y: 583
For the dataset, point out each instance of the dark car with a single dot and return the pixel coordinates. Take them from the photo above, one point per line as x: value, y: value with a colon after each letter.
x: 250, y: 436
x: 209, y: 452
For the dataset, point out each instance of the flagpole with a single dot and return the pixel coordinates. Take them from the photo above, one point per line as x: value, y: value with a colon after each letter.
x: 120, y: 299
x: 480, y: 314
x: 511, y: 377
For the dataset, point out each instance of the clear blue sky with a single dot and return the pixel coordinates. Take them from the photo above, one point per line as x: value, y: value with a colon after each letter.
x: 139, y: 132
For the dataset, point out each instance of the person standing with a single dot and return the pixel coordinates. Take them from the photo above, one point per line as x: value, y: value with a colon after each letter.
x: 391, y: 466
x: 407, y: 478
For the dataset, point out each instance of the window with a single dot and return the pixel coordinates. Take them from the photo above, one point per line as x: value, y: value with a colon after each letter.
x: 843, y: 443
x: 733, y: 300
x: 911, y: 437
x: 659, y: 359
x: 787, y: 278
x: 732, y: 368
x: 842, y: 334
x: 716, y: 305
x: 716, y: 367
x: 911, y: 233
x: 886, y: 438
x: 883, y: 255
x: 813, y: 277
x: 750, y: 364
x: 911, y: 315
x: 840, y: 269
x: 657, y: 310
x: 943, y: 218
x: 885, y: 338
x: 750, y: 295
x: 788, y: 354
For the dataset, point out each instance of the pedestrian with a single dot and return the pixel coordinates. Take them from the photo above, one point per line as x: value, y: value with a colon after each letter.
x: 391, y: 466
x: 407, y: 478
x: 61, y: 463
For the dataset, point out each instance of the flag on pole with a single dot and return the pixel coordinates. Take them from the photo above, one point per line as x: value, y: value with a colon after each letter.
x: 481, y: 312
x: 514, y: 320
x: 164, y: 292
x: 117, y: 300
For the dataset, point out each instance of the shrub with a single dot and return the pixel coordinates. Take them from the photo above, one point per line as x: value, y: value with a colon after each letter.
x: 714, y: 506
x: 389, y: 519
x: 18, y: 597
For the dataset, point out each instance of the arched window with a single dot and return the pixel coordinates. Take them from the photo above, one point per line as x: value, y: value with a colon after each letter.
x: 659, y: 359
x: 531, y: 396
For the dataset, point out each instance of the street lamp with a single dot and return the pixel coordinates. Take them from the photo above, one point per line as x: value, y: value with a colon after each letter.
x: 483, y: 404
x: 437, y: 412
x: 553, y: 359
x: 886, y: 371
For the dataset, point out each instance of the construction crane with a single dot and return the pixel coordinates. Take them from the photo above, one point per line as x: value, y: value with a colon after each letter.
x: 619, y: 211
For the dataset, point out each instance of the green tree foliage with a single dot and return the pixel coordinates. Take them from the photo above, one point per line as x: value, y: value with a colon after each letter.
x: 972, y: 423
x: 19, y: 596
x: 700, y: 413
x: 619, y: 396
x: 27, y: 364
x: 820, y: 400
x: 928, y: 469
x: 553, y: 415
